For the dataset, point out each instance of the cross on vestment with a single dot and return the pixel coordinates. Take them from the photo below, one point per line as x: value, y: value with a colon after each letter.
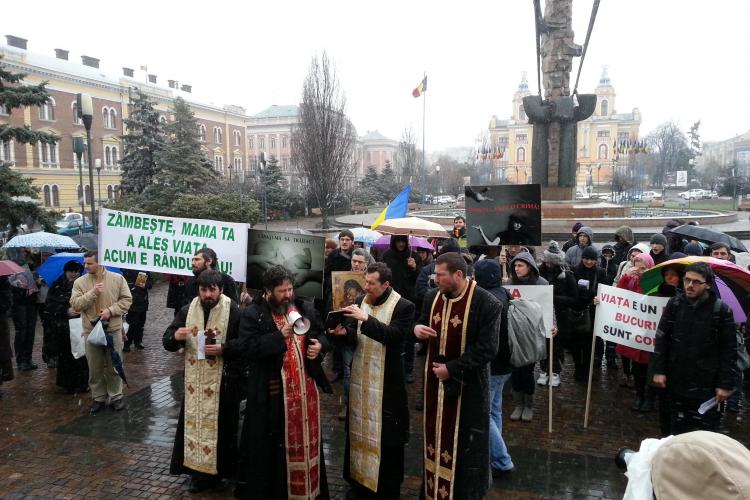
x: 456, y: 321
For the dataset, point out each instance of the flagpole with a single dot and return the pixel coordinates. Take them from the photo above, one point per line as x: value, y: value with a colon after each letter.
x: 424, y: 162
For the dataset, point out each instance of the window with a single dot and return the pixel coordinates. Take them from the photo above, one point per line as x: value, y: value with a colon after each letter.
x: 522, y: 138
x: 78, y: 193
x: 115, y: 157
x: 251, y: 142
x: 603, y: 151
x: 502, y: 142
x: 4, y: 110
x: 48, y: 155
x: 7, y: 151
x: 217, y: 135
x: 162, y: 119
x: 273, y: 142
x: 369, y: 157
x: 88, y: 195
x: 202, y: 132
x: 107, y: 156
x: 87, y: 199
x: 109, y: 117
x: 521, y: 113
x: 521, y: 155
x: 284, y: 141
x: 623, y: 137
x: 55, y: 196
x: 47, y: 196
x: 77, y: 120
x: 237, y: 163
x: 110, y: 192
x: 47, y: 110
x: 602, y: 134
x: 604, y: 107
x: 261, y: 143
x: 237, y: 137
x: 219, y: 163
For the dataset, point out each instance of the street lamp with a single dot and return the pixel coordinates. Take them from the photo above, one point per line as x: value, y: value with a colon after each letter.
x: 440, y: 180
x: 98, y: 164
x: 78, y: 148
x: 262, y: 170
x: 86, y: 113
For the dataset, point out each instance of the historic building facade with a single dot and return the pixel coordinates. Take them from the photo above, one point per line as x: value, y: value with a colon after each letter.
x: 54, y: 168
x: 734, y: 151
x: 505, y: 153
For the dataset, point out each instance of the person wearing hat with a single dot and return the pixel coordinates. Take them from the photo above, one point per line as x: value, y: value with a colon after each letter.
x: 564, y: 295
x: 588, y: 275
x: 659, y: 248
x: 585, y: 239
x: 573, y: 241
x: 72, y: 374
x: 693, y: 249
x: 624, y: 241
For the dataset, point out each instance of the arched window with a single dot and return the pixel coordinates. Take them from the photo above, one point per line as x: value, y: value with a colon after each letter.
x: 105, y: 117
x: 273, y: 142
x: 4, y: 109
x: 110, y: 192
x: 219, y: 163
x: 521, y: 154
x: 47, y: 110
x: 47, y: 196
x: 112, y: 118
x: 217, y: 135
x: 250, y: 142
x: 88, y: 195
x: 521, y: 113
x: 284, y: 142
x: 603, y: 151
x: 115, y: 156
x: 74, y: 109
x: 48, y: 154
x: 261, y: 143
x: 237, y: 137
x: 107, y: 156
x: 79, y: 194
x: 604, y: 108
x: 55, y: 196
x: 7, y: 152
x: 202, y: 132
x: 237, y: 163
x: 117, y: 192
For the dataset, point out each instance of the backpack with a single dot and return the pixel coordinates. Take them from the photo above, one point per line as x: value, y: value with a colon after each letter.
x: 526, y: 334
x: 743, y: 358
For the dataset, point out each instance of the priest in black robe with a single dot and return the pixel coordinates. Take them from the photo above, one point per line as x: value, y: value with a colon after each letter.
x: 461, y: 323
x: 216, y: 311
x: 378, y: 406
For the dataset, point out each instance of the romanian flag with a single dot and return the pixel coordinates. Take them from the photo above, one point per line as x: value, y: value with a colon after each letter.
x: 396, y: 209
x: 144, y: 67
x: 421, y: 88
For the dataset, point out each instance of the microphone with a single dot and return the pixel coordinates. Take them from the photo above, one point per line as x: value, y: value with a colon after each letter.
x: 301, y: 324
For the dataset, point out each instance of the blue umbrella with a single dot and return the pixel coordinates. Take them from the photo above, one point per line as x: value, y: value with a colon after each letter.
x: 366, y: 235
x: 41, y: 239
x: 53, y: 266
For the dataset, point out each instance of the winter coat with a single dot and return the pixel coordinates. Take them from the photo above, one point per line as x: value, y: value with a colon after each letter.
x: 533, y: 277
x: 623, y: 246
x: 404, y: 277
x: 574, y: 254
x: 625, y: 265
x: 609, y: 266
x: 594, y: 275
x: 116, y: 297
x: 633, y: 283
x: 696, y: 354
x: 140, y: 295
x: 487, y: 276
x: 564, y: 292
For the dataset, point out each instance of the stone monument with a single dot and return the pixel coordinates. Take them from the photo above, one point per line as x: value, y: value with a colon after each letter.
x: 555, y: 118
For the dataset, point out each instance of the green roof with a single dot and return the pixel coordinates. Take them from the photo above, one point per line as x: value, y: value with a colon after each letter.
x: 278, y: 112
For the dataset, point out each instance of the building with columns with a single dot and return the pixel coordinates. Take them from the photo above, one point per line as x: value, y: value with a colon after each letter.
x: 597, y: 136
x: 54, y: 168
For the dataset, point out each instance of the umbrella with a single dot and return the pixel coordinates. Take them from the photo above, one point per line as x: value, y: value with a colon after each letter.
x: 25, y: 280
x: 53, y: 266
x: 415, y: 243
x: 366, y: 235
x: 709, y: 236
x: 41, y: 240
x: 116, y: 359
x: 732, y: 282
x: 87, y: 240
x: 414, y: 226
x: 8, y: 267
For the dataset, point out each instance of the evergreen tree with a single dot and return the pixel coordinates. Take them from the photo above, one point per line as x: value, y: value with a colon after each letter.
x: 183, y: 168
x: 15, y: 208
x: 279, y: 199
x: 368, y: 192
x: 142, y: 144
x: 389, y: 183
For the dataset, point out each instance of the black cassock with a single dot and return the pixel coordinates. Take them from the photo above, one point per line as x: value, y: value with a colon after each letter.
x: 395, y: 409
x: 229, y: 399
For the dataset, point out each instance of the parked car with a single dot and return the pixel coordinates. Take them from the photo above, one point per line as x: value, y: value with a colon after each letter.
x: 650, y: 195
x: 70, y: 216
x: 694, y: 194
x: 74, y: 226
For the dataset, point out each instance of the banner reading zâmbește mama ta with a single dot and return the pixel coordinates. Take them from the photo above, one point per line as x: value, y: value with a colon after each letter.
x: 167, y: 244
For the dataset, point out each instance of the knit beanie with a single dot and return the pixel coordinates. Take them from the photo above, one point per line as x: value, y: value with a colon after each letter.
x: 589, y: 253
x: 72, y: 265
x: 576, y: 227
x: 348, y: 233
x: 553, y: 256
x: 449, y: 245
x: 693, y: 248
x: 659, y: 239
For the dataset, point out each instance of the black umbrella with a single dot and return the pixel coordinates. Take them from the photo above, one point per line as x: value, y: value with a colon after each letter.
x: 709, y: 236
x: 87, y: 240
x: 114, y: 355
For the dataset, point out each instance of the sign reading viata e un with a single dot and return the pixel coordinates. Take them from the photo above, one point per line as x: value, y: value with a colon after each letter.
x: 167, y: 244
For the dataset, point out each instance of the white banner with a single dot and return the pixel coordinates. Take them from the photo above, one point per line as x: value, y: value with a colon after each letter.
x: 628, y: 318
x: 681, y: 178
x: 540, y: 294
x: 167, y: 244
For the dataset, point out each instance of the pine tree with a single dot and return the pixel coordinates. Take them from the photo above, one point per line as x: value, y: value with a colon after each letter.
x: 368, y: 192
x: 272, y: 178
x: 183, y: 168
x: 141, y: 145
x: 388, y: 182
x: 14, y: 188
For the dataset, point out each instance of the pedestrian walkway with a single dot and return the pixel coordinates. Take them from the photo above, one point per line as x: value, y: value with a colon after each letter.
x: 51, y: 448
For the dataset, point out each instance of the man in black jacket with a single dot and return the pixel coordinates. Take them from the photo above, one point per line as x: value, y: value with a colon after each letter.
x: 137, y: 313
x: 695, y: 356
x: 487, y: 276
x: 205, y: 258
x: 382, y: 320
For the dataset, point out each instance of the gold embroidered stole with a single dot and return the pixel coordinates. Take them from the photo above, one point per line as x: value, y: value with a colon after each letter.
x: 202, y: 388
x: 448, y: 317
x: 302, y: 419
x: 366, y: 399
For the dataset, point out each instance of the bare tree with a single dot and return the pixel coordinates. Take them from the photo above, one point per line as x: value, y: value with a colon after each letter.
x: 408, y: 157
x: 323, y: 141
x: 670, y: 147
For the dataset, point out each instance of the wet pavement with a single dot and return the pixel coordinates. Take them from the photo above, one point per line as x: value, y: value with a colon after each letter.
x: 51, y: 448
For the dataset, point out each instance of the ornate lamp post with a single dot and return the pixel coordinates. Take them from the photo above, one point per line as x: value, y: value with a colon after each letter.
x: 78, y: 148
x: 86, y: 113
x: 98, y: 164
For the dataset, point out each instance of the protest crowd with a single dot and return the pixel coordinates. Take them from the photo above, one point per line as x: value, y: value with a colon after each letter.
x: 258, y: 360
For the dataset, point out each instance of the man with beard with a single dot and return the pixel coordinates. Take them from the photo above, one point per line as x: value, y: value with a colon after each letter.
x: 205, y: 444
x: 205, y: 258
x: 378, y: 423
x: 462, y: 323
x: 281, y: 451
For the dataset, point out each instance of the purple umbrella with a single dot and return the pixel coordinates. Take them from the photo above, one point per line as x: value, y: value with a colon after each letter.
x: 415, y: 243
x: 728, y: 296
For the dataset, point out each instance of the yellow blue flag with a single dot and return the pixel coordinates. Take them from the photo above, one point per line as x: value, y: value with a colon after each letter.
x: 396, y: 209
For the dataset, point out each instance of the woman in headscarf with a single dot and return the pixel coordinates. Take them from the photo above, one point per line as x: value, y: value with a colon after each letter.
x: 644, y: 399
x: 72, y: 374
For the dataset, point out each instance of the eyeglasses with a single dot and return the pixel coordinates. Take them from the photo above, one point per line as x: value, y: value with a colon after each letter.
x: 689, y: 282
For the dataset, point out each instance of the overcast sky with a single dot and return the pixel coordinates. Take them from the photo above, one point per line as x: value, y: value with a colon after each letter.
x: 673, y: 59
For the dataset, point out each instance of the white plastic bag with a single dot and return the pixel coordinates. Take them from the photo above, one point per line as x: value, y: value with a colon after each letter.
x: 125, y: 327
x: 97, y: 336
x: 639, y: 470
x: 77, y: 342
